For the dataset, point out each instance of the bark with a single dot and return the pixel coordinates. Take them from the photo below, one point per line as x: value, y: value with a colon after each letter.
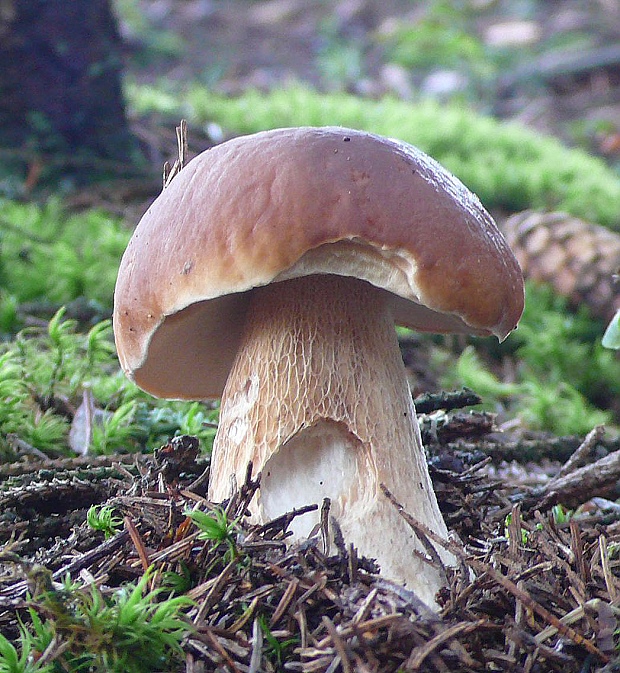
x: 60, y: 82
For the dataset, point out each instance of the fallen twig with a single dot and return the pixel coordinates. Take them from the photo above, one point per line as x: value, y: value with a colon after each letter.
x: 581, y: 453
x: 429, y: 402
x: 578, y: 486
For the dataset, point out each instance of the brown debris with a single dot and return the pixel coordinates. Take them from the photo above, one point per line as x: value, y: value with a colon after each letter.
x: 531, y: 593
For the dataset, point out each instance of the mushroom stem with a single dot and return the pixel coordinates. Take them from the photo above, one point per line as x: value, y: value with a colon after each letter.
x: 318, y: 400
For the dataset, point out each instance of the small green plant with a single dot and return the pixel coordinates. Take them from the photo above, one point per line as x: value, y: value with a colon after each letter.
x: 560, y: 514
x: 216, y: 526
x: 524, y: 533
x: 131, y: 630
x: 23, y: 661
x: 613, y: 549
x: 177, y: 582
x: 276, y: 650
x: 102, y: 518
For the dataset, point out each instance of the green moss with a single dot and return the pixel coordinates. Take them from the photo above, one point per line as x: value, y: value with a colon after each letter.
x: 566, y: 381
x: 510, y: 167
x: 128, y: 630
x: 46, y: 371
x: 49, y: 255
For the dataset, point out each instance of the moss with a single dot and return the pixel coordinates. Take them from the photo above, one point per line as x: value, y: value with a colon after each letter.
x: 50, y: 257
x: 565, y: 380
x: 44, y: 373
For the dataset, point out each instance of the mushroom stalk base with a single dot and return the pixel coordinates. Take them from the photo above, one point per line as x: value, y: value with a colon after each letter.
x: 318, y: 401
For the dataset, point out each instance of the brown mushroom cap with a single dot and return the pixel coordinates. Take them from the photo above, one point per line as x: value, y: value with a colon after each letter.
x: 292, y: 202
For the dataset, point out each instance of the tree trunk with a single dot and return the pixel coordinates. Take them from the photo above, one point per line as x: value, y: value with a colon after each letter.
x: 60, y: 89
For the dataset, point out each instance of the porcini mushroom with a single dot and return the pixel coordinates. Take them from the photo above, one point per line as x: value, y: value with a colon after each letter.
x: 271, y: 272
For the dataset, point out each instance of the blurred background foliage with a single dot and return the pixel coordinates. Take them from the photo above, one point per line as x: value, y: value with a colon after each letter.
x: 519, y: 99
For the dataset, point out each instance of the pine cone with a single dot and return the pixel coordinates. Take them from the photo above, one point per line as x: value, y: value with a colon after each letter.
x: 577, y: 258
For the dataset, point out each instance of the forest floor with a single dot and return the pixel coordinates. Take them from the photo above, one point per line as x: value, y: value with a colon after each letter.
x: 537, y: 584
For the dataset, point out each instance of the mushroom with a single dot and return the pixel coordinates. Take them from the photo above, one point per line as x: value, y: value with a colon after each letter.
x: 270, y: 272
